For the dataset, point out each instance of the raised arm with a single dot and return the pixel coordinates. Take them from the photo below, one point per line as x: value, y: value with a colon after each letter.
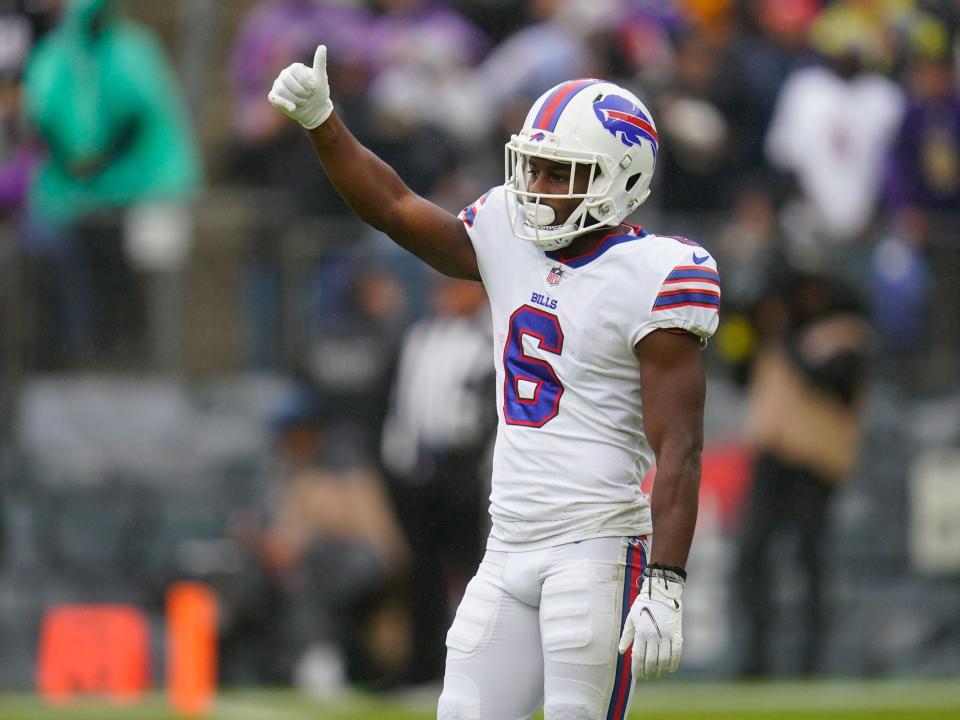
x: 673, y: 390
x: 371, y: 187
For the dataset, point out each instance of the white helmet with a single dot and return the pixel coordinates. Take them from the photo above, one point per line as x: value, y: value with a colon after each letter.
x: 597, y: 127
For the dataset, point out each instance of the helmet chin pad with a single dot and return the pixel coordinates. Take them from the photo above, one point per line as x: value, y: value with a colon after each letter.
x: 538, y: 215
x: 541, y: 227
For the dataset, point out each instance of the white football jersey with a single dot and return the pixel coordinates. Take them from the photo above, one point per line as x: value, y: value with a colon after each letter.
x: 570, y: 450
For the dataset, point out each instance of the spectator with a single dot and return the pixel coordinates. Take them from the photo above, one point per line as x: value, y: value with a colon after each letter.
x: 771, y: 44
x: 750, y: 250
x: 918, y: 260
x: 19, y: 153
x: 21, y: 25
x: 426, y: 94
x: 831, y: 129
x: 900, y: 286
x: 352, y: 355
x: 267, y: 154
x: 103, y: 98
x: 924, y: 169
x: 694, y: 158
x: 330, y: 545
x: 646, y: 33
x: 272, y: 32
x: 804, y: 423
x: 435, y: 440
x: 425, y: 53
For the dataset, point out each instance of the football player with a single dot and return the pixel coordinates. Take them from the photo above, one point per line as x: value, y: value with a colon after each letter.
x: 597, y: 328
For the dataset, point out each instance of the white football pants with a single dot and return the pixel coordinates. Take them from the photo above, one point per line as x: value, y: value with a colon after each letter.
x: 542, y: 627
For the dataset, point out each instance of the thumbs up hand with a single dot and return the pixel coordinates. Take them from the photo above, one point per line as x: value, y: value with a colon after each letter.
x: 303, y: 93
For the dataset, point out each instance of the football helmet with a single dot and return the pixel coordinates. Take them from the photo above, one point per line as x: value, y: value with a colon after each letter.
x: 599, y: 129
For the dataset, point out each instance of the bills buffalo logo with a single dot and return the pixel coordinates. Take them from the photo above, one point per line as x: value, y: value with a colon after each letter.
x: 537, y: 137
x: 626, y: 122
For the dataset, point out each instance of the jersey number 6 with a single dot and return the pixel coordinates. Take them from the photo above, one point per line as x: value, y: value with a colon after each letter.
x: 531, y: 388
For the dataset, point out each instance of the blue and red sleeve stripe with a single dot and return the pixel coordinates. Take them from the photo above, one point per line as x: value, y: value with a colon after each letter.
x: 685, y: 273
x: 469, y: 213
x: 676, y: 298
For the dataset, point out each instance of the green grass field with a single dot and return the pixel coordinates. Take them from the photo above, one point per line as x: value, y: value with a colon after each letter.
x: 823, y: 700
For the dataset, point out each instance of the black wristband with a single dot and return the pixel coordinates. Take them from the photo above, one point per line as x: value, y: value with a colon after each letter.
x: 674, y: 573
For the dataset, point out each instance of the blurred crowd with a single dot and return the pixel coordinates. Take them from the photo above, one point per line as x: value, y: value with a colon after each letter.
x: 812, y: 145
x: 823, y: 135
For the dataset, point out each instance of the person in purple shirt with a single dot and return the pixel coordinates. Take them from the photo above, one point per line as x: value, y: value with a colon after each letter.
x: 922, y: 194
x: 267, y: 154
x: 274, y: 31
x: 924, y: 167
x: 411, y: 30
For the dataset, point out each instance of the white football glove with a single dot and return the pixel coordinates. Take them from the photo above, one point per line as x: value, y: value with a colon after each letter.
x: 302, y: 93
x: 654, y: 628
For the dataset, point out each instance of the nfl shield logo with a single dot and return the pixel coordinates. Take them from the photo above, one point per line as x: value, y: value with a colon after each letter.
x: 556, y: 274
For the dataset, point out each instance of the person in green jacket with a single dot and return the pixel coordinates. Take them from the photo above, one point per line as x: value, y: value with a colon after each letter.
x: 120, y: 169
x: 103, y: 96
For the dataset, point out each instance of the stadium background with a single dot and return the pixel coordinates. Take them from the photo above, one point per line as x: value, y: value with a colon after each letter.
x: 143, y: 383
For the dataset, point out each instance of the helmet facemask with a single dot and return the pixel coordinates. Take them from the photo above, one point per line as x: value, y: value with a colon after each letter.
x: 531, y: 218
